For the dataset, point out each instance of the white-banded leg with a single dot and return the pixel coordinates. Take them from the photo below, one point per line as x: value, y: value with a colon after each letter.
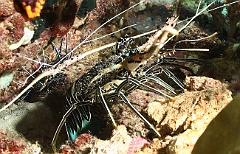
x: 157, y: 80
x: 106, y: 106
x: 140, y: 83
x: 151, y: 75
x: 173, y: 77
x: 121, y: 89
x: 125, y: 100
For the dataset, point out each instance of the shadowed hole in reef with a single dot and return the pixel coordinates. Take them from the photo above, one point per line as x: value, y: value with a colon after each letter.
x: 41, y: 122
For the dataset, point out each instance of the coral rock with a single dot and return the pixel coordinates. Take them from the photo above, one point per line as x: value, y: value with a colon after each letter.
x: 188, y: 111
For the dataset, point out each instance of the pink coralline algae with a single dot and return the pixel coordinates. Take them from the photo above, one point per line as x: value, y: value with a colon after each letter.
x: 137, y: 143
x: 79, y: 143
x: 9, y: 145
x: 6, y: 9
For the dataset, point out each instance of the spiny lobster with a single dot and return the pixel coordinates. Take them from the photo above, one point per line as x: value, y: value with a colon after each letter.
x: 115, y: 77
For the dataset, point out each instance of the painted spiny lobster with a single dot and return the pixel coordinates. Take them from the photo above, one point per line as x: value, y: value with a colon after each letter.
x: 115, y: 77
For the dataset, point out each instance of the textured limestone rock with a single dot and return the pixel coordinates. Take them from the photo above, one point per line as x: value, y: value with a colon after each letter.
x: 222, y: 135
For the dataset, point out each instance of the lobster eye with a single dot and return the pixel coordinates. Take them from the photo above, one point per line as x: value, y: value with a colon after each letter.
x: 29, y: 9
